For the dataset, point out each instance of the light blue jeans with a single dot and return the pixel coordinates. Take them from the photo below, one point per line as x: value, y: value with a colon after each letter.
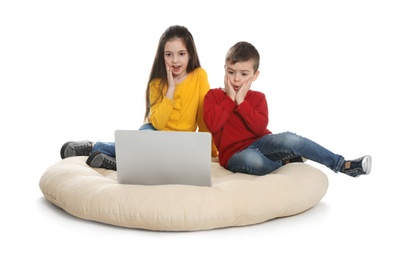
x: 109, y: 147
x: 267, y: 153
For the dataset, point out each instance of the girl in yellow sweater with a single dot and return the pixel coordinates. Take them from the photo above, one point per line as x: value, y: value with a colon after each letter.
x: 174, y: 97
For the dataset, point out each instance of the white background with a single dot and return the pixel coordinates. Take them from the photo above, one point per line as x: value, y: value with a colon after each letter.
x: 74, y: 70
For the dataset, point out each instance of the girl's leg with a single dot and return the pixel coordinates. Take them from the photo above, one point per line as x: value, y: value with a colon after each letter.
x: 147, y: 126
x: 107, y: 148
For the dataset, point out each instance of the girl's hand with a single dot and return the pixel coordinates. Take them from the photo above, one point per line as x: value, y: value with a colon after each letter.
x: 171, y: 82
x: 229, y: 89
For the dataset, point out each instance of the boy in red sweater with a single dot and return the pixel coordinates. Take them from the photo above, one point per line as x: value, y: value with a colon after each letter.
x: 237, y: 117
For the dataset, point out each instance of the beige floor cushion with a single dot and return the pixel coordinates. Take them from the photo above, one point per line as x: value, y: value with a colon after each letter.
x: 234, y: 199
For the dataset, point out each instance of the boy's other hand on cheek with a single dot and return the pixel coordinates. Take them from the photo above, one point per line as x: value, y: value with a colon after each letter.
x: 241, y: 94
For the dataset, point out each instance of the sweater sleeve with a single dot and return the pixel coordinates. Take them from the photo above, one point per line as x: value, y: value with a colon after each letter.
x: 217, y: 109
x: 204, y: 87
x: 161, y: 109
x: 255, y: 113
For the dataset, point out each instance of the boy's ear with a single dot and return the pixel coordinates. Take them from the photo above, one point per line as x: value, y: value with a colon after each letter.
x: 256, y: 75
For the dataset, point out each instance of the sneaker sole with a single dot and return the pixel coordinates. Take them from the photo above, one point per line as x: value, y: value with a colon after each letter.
x: 91, y: 157
x: 367, y: 159
x: 62, y: 152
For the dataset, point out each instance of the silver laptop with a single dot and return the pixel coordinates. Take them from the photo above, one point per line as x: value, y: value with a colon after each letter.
x: 147, y: 157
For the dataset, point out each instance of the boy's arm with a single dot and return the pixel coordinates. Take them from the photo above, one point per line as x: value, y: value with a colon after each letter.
x: 217, y: 109
x: 203, y: 90
x: 255, y: 114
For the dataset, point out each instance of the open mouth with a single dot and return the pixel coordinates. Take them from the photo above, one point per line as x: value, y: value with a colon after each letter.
x: 176, y: 69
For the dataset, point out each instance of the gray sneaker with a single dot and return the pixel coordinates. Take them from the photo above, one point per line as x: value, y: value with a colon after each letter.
x: 82, y: 148
x: 101, y: 160
x: 358, y: 167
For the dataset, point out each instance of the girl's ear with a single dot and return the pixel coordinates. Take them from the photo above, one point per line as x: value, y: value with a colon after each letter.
x: 256, y: 75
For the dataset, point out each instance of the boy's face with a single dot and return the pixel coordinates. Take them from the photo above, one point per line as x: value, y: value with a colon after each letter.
x: 239, y: 73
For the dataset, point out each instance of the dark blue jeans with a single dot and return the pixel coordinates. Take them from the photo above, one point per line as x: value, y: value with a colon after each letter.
x: 266, y: 154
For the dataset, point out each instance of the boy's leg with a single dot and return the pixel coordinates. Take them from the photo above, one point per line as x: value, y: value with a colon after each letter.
x: 285, y: 145
x: 252, y: 161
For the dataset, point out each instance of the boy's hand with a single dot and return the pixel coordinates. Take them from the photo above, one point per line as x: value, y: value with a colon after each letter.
x: 229, y: 89
x: 241, y: 94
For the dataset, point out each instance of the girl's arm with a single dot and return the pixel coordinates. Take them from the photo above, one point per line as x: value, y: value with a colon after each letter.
x: 161, y: 109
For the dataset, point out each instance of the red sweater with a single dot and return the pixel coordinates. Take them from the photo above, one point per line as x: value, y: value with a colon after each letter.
x: 235, y: 127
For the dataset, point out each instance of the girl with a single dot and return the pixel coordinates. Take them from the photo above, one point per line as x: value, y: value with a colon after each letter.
x: 174, y: 97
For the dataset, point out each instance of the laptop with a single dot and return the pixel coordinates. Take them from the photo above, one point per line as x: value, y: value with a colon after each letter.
x: 147, y: 157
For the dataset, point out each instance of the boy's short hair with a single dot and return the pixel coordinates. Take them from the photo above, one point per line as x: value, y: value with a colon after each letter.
x: 243, y: 51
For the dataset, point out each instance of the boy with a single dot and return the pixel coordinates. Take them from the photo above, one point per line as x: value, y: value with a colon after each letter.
x: 237, y: 117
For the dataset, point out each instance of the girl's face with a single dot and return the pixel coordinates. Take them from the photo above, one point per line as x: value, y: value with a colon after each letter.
x: 176, y: 56
x: 239, y: 73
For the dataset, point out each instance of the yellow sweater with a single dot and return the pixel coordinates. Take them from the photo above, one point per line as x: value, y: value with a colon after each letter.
x: 185, y: 111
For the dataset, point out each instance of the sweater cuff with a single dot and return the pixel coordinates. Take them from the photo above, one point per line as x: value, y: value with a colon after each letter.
x: 244, y: 108
x: 228, y: 104
x: 168, y: 101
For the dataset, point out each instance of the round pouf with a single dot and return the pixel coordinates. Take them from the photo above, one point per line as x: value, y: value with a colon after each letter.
x: 234, y: 199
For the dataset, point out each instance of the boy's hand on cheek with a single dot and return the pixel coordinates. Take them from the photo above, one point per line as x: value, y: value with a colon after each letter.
x: 229, y: 89
x: 241, y: 94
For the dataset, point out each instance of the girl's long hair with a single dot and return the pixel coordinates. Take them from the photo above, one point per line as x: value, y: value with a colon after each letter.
x: 158, y: 69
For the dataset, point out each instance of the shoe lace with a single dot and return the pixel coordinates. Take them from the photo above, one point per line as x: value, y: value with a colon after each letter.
x: 83, y: 149
x: 354, y: 170
x: 109, y: 163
